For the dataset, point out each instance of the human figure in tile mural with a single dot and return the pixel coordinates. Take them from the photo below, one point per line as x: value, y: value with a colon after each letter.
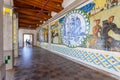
x: 114, y: 2
x: 110, y: 44
x: 111, y: 3
x: 77, y: 28
x: 52, y: 36
x: 107, y: 26
x: 96, y: 29
x: 113, y: 45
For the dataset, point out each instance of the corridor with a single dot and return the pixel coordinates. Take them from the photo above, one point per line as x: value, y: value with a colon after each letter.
x: 59, y: 40
x: 39, y: 64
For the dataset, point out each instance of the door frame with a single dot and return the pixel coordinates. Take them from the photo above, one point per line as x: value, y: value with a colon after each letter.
x: 32, y: 38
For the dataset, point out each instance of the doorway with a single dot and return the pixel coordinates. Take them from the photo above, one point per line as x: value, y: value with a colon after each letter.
x: 27, y: 39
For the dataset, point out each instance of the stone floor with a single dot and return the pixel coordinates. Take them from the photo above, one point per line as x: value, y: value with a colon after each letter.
x: 10, y: 74
x: 39, y: 64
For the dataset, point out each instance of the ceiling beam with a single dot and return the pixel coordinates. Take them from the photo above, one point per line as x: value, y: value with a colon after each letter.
x: 30, y: 17
x: 42, y: 15
x: 50, y: 4
x: 34, y: 12
x: 28, y: 9
x: 27, y: 24
x: 39, y: 5
x: 58, y: 1
x: 22, y: 17
x: 24, y: 27
x: 30, y: 26
x: 29, y: 21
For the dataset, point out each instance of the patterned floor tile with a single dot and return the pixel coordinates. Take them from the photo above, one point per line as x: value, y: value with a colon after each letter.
x: 39, y: 64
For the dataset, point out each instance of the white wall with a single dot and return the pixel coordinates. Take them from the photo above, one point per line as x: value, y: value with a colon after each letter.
x: 53, y: 13
x: 67, y: 3
x: 64, y: 5
x: 8, y: 2
x: 22, y: 31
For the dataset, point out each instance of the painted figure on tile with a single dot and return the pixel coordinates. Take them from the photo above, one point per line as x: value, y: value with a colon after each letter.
x: 96, y: 29
x: 107, y: 26
x: 38, y: 37
x: 52, y: 36
x: 114, y: 2
x: 56, y: 38
x: 110, y: 44
x: 113, y: 45
x: 111, y: 3
x: 75, y: 26
x: 64, y: 27
x: 72, y: 26
x: 55, y: 32
x: 41, y: 36
x: 78, y: 27
x: 46, y: 35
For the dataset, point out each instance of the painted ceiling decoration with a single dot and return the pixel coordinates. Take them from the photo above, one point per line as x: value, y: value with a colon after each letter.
x: 34, y: 12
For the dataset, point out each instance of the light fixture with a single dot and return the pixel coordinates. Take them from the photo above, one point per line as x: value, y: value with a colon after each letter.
x: 43, y: 21
x: 29, y: 26
x: 40, y: 20
x: 37, y: 24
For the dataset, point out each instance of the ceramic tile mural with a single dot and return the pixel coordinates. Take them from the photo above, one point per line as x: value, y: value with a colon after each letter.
x: 44, y: 34
x: 55, y: 34
x: 105, y: 27
x: 41, y: 36
x: 75, y: 28
x: 97, y: 26
x: 94, y: 26
x: 102, y: 61
x: 44, y: 45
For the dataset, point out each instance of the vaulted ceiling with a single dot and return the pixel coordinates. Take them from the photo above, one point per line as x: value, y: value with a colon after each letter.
x: 31, y: 13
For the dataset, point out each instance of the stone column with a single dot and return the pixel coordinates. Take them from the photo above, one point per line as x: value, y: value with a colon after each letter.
x: 49, y: 35
x: 2, y: 66
x: 1, y: 32
x: 15, y: 35
x: 8, y: 38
